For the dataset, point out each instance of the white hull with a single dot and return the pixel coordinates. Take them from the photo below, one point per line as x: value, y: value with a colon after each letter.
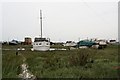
x: 41, y: 48
x: 70, y: 44
x: 44, y: 46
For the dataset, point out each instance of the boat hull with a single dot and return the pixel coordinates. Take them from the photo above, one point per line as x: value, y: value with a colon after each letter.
x: 41, y: 48
x: 45, y: 46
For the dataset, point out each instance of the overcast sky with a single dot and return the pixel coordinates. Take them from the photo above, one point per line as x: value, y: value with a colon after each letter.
x: 62, y: 21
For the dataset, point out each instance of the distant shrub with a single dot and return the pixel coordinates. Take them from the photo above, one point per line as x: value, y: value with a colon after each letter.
x: 51, y: 63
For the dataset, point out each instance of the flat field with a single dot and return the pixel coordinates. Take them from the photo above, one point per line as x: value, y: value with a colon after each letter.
x: 77, y: 63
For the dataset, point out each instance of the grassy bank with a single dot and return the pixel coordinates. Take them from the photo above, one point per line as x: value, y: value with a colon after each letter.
x: 85, y: 63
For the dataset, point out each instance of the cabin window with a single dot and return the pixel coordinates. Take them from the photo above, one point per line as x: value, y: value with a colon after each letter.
x: 36, y: 43
x: 47, y: 44
x: 39, y: 43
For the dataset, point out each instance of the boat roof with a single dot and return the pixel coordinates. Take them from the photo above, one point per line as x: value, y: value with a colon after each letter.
x: 40, y: 39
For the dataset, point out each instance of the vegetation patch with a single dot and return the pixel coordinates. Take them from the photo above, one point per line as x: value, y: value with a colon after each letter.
x: 78, y: 63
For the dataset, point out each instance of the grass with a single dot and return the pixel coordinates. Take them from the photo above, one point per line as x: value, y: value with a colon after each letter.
x: 85, y: 63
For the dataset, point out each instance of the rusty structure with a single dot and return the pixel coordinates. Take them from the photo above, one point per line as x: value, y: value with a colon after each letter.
x: 28, y: 41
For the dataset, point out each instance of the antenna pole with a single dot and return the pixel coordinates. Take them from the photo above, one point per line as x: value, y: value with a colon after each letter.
x: 41, y: 21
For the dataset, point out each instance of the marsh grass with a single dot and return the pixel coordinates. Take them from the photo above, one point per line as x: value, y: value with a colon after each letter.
x: 85, y: 63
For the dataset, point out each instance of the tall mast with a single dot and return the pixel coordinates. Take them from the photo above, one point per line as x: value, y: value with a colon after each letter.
x: 41, y: 21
